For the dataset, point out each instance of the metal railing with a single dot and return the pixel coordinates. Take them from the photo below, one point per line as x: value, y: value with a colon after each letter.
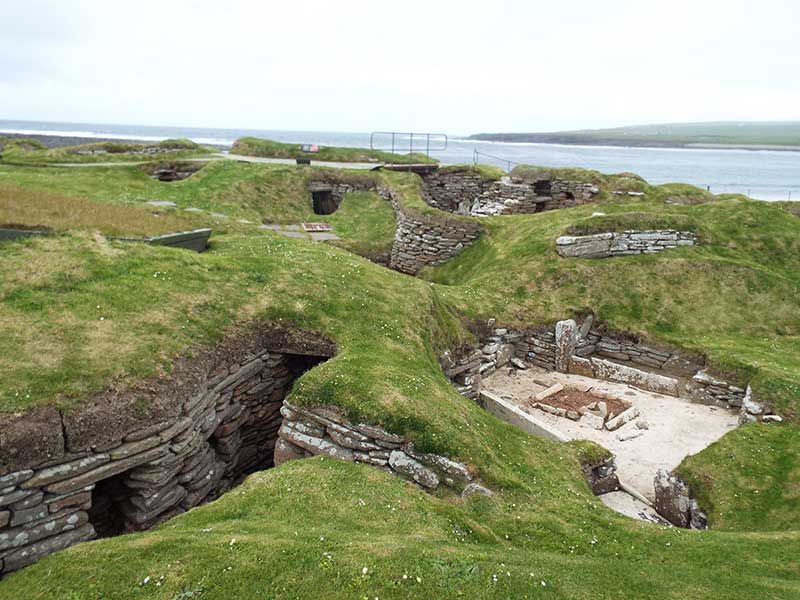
x: 476, y: 159
x: 397, y: 142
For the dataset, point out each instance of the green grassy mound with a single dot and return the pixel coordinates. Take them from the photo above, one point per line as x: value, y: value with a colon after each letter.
x: 733, y: 133
x: 355, y: 532
x: 21, y: 151
x: 639, y: 221
x: 71, y: 326
x: 251, y: 146
x: 252, y: 192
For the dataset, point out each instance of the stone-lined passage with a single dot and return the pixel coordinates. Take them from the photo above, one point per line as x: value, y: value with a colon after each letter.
x: 623, y: 243
x: 99, y: 484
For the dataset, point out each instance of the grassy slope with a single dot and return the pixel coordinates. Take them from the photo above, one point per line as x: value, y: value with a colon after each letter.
x: 673, y: 134
x: 39, y: 209
x: 255, y: 192
x: 734, y: 298
x: 388, y: 326
x: 323, y: 528
x: 251, y: 146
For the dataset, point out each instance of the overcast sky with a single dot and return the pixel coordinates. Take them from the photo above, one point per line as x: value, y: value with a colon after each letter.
x: 457, y: 67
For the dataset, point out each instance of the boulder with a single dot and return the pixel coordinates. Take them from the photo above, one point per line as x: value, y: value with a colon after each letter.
x: 518, y: 364
x: 413, y: 469
x: 552, y: 390
x: 611, y: 371
x: 472, y: 489
x: 581, y: 366
x: 593, y: 420
x: 627, y: 415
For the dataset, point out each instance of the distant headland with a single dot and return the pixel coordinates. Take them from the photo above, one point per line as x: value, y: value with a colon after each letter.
x: 748, y: 135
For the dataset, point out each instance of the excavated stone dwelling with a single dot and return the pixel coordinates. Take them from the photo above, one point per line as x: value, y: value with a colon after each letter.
x: 113, y: 466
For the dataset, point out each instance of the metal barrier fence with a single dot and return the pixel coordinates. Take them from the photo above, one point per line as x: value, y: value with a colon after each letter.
x: 397, y: 142
x: 476, y: 159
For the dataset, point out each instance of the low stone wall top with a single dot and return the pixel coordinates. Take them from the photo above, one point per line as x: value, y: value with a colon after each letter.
x: 325, y: 431
x: 624, y: 243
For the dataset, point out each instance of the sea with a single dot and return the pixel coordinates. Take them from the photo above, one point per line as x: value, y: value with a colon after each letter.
x: 761, y: 174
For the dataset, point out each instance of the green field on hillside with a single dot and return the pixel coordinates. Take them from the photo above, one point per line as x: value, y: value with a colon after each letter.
x: 736, y: 134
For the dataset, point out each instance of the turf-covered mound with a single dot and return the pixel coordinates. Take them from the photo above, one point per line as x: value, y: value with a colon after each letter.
x: 22, y: 151
x: 252, y: 146
x: 79, y: 313
x: 353, y: 531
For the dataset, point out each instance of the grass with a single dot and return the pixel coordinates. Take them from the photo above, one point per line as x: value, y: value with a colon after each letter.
x: 358, y: 533
x: 71, y: 326
x: 640, y: 221
x: 250, y: 146
x: 38, y: 209
x: 254, y: 192
x: 21, y: 151
x: 750, y: 479
x: 488, y: 172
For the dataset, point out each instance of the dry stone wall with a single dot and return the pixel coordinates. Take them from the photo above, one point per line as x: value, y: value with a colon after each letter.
x: 87, y: 476
x: 90, y: 486
x: 423, y: 240
x: 466, y: 192
x: 590, y: 350
x: 325, y: 431
x: 624, y: 243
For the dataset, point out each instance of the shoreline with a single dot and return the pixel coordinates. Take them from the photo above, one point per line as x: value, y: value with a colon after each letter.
x: 630, y: 144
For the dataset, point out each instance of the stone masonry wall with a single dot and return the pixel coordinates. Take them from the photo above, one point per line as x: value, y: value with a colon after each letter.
x: 223, y: 431
x: 468, y: 193
x: 592, y: 351
x: 624, y: 243
x: 325, y: 431
x: 421, y: 240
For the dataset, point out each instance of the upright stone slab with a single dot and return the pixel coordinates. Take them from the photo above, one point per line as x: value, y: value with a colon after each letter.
x: 566, y: 337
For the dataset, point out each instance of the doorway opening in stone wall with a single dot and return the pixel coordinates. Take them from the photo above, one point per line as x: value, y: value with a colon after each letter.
x: 106, y: 514
x: 569, y: 195
x: 323, y: 202
x: 542, y: 187
x: 539, y: 207
x: 257, y: 436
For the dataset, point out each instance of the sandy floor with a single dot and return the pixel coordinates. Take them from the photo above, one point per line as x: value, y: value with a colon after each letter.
x: 677, y: 427
x: 631, y: 507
